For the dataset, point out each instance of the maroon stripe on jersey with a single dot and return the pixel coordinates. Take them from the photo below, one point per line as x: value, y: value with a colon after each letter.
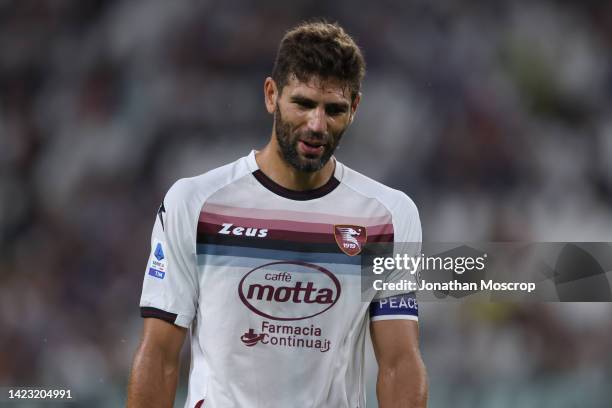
x: 295, y: 216
x: 380, y: 238
x: 205, y: 228
x: 287, y: 225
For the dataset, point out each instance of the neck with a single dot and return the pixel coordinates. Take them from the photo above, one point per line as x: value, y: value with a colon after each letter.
x: 272, y: 164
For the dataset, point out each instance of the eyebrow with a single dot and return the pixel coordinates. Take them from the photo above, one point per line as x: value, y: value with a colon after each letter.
x: 342, y: 106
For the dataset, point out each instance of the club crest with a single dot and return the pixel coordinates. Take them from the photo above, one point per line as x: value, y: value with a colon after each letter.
x: 350, y: 238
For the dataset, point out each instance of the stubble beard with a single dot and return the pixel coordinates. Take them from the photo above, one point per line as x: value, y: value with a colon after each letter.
x: 288, y: 145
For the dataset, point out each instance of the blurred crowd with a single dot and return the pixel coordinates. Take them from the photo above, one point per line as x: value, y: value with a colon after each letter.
x: 495, y: 117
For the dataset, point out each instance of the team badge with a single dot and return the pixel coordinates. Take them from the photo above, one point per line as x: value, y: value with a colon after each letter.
x: 350, y: 238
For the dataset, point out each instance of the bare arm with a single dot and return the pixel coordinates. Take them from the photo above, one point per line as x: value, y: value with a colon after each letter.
x: 402, y: 380
x: 156, y: 365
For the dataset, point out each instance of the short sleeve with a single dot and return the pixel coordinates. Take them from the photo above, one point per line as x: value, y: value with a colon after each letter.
x: 407, y: 239
x: 170, y: 288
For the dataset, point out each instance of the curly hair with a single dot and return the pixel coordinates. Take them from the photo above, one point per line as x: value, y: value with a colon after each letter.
x: 322, y: 50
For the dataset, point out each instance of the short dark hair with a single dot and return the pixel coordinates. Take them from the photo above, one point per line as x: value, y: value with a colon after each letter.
x: 319, y: 49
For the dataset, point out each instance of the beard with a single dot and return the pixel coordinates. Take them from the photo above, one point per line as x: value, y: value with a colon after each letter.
x: 288, y: 145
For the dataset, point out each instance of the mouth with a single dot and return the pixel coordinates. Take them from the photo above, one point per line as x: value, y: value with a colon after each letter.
x: 311, y: 147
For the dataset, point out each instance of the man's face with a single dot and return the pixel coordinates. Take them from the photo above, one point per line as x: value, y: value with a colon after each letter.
x: 309, y: 121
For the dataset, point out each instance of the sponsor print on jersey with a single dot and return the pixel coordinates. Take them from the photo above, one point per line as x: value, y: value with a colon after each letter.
x: 273, y: 334
x: 350, y: 238
x: 231, y: 229
x: 403, y: 306
x: 158, y: 263
x: 289, y: 290
x: 251, y: 338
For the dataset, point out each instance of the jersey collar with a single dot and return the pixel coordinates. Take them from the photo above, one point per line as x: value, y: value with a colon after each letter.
x: 277, y: 189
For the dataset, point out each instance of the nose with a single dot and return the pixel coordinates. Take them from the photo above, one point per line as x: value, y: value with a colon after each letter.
x: 317, y: 120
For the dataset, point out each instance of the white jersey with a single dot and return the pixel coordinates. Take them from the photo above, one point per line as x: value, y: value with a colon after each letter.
x: 268, y: 282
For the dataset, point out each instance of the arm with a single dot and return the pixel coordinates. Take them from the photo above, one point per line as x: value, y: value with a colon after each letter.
x: 156, y: 365
x: 402, y: 380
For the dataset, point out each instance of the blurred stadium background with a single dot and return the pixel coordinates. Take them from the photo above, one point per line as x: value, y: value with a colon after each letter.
x: 495, y: 117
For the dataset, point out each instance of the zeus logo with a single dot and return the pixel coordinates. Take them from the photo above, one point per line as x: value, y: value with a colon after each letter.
x: 242, y: 231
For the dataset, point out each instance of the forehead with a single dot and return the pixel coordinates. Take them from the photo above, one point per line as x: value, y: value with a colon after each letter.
x: 317, y: 89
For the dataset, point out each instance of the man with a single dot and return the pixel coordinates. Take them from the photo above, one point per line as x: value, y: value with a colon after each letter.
x: 259, y: 260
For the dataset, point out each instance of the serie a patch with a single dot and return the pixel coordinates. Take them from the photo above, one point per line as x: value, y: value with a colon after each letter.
x: 157, y: 260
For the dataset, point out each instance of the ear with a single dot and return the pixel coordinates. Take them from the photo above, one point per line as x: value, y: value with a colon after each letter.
x: 354, y: 107
x: 270, y: 95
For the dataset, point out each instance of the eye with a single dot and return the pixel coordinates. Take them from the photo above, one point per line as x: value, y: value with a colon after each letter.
x: 304, y: 104
x: 335, y: 110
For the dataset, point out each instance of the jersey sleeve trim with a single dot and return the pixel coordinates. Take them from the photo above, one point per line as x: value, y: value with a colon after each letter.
x: 146, y: 311
x: 177, y: 319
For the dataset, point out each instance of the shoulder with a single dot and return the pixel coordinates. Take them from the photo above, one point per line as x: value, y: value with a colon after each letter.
x: 394, y: 200
x: 198, y: 188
